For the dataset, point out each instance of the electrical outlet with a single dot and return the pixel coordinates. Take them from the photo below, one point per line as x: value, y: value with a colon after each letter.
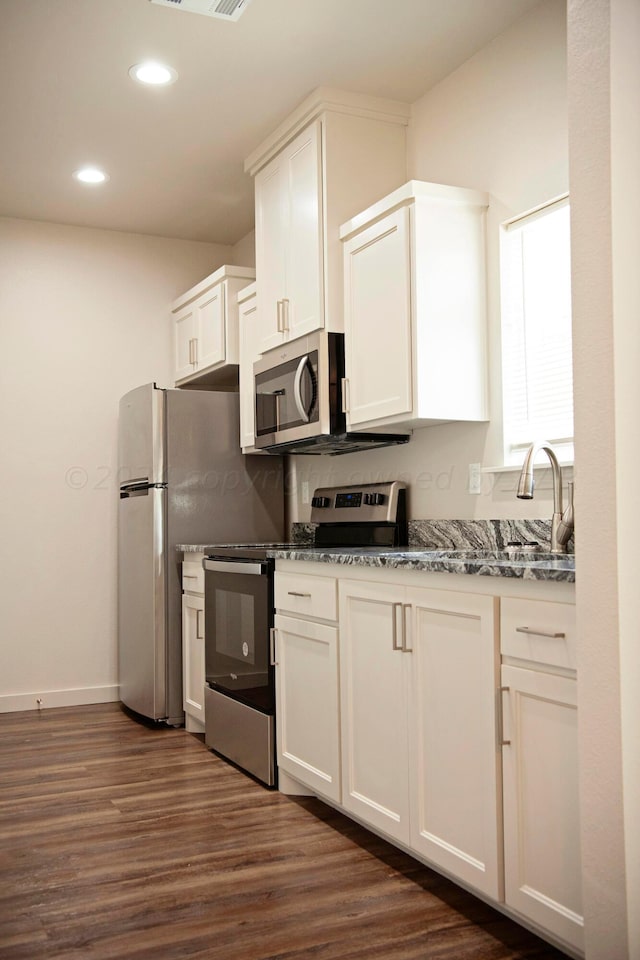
x: 475, y: 478
x: 305, y: 491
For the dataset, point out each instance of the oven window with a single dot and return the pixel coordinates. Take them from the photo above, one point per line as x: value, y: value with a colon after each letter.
x: 237, y: 617
x: 234, y: 630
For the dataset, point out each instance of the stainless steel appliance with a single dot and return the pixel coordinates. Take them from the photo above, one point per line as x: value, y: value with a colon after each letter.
x: 299, y: 405
x: 239, y: 610
x: 182, y: 480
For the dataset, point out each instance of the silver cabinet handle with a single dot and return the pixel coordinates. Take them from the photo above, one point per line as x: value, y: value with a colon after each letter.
x: 503, y: 742
x: 297, y: 389
x: 294, y: 593
x: 406, y: 609
x: 540, y: 633
x: 272, y: 647
x: 199, y: 635
x: 191, y: 350
x: 279, y: 318
x: 195, y: 351
x: 394, y: 634
x: 285, y: 315
x: 189, y: 576
x: 344, y: 386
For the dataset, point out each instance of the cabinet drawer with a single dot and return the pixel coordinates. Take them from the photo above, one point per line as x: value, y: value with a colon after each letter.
x: 538, y: 630
x: 193, y: 574
x: 306, y: 596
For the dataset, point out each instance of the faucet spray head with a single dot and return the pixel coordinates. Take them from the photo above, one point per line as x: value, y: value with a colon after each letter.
x: 525, y: 485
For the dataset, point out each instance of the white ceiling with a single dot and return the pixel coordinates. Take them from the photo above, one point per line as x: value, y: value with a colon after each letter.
x: 175, y: 155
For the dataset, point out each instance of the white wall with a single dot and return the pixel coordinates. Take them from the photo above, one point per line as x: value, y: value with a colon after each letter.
x: 243, y: 253
x: 604, y: 127
x: 83, y: 319
x: 498, y: 123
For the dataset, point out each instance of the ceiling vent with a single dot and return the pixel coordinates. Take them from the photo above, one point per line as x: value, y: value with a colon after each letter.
x: 222, y: 9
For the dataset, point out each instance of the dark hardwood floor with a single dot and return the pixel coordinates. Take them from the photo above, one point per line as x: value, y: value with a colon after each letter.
x: 118, y: 840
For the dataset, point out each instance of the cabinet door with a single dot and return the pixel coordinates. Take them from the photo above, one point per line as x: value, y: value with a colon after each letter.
x: 210, y: 324
x: 307, y: 719
x: 378, y: 321
x: 303, y: 309
x: 271, y: 250
x: 373, y: 694
x: 453, y: 755
x: 541, y: 808
x: 248, y: 328
x: 289, y: 241
x: 193, y: 659
x: 184, y: 334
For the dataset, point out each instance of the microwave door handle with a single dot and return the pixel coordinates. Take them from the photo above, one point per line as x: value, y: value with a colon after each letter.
x: 277, y: 394
x: 297, y: 389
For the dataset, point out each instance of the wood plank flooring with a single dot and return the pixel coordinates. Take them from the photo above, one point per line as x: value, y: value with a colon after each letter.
x: 120, y: 840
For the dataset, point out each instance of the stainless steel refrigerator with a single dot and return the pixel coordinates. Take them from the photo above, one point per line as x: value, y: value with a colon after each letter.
x: 182, y: 479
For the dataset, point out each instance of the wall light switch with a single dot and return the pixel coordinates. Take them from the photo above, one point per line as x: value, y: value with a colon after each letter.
x: 475, y: 477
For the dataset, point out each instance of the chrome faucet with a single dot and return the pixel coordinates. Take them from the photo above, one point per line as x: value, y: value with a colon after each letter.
x: 562, y: 522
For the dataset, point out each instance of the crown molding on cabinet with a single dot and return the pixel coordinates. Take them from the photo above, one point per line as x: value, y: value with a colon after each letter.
x: 321, y: 100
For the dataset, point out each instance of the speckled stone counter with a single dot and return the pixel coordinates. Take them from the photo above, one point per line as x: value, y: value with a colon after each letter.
x: 477, y: 547
x: 485, y: 563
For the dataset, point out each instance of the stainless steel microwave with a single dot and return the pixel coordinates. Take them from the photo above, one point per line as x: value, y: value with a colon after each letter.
x: 298, y: 399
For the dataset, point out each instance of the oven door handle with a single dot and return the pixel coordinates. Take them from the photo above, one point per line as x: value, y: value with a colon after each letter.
x: 234, y: 566
x: 297, y: 389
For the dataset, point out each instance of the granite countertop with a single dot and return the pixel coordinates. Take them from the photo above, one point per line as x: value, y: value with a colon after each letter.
x: 523, y: 564
x: 487, y: 563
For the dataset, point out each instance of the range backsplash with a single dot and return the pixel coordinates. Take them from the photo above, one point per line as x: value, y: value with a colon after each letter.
x: 461, y: 534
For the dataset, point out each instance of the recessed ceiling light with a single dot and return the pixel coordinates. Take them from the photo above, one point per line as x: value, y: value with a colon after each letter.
x: 91, y: 175
x: 156, y: 74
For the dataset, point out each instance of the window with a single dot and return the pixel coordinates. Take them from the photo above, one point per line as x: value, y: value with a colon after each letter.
x: 537, y: 380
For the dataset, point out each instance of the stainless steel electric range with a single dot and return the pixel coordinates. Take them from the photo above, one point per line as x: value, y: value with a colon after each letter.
x: 239, y: 611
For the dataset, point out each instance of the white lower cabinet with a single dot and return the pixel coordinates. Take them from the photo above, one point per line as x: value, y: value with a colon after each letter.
x: 193, y: 667
x: 308, y: 739
x: 400, y: 713
x: 374, y: 706
x: 418, y: 680
x: 542, y: 862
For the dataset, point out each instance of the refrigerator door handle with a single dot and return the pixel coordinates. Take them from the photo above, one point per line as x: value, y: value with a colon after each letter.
x: 139, y: 488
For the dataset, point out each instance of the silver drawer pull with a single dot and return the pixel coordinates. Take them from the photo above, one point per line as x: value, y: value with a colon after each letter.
x: 189, y: 576
x: 503, y: 742
x: 540, y: 633
x: 294, y: 593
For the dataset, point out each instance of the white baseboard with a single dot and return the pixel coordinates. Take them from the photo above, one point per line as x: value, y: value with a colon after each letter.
x: 9, y: 703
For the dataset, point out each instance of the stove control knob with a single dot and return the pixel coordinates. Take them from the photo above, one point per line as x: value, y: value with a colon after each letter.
x: 377, y: 499
x: 321, y: 502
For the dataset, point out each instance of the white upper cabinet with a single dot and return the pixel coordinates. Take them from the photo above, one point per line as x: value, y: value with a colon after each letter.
x: 289, y: 240
x: 335, y: 154
x: 415, y: 308
x: 205, y: 329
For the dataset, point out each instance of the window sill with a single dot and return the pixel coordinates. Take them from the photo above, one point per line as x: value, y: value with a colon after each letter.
x: 516, y: 468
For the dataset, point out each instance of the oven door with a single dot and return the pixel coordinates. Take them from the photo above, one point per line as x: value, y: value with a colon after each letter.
x: 238, y: 598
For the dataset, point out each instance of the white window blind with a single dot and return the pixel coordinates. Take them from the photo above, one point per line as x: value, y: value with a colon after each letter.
x: 537, y: 376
